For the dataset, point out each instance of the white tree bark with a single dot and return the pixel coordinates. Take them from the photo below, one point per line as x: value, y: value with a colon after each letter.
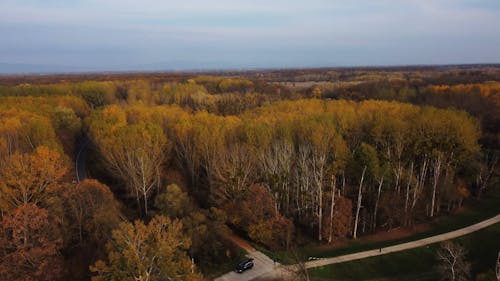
x: 360, y: 197
x: 452, y: 262
x: 436, y: 175
x: 420, y: 182
x: 332, y: 204
x: 408, y: 190
x: 380, y: 183
x: 485, y: 173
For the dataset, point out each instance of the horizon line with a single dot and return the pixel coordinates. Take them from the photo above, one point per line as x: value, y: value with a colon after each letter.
x: 240, y: 69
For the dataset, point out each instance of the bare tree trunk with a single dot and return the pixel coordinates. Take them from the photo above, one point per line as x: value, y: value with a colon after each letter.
x: 320, y: 213
x: 145, y: 195
x: 420, y: 181
x: 408, y: 192
x: 363, y: 220
x: 380, y: 183
x: 483, y: 180
x: 334, y: 187
x: 437, y: 173
x: 360, y: 197
x: 452, y: 262
x: 397, y: 172
x: 319, y: 158
x: 138, y: 197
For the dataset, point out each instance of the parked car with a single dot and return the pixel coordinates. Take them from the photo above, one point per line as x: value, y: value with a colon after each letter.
x: 244, y: 265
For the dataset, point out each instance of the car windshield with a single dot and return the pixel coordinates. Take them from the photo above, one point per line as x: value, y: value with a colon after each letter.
x: 243, y: 263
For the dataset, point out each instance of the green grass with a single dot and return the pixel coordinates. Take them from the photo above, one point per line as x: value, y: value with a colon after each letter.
x: 475, y: 212
x: 408, y: 265
x: 415, y: 264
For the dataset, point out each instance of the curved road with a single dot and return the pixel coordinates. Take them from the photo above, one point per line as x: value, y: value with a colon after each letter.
x: 263, y: 265
x: 270, y: 272
x: 81, y: 158
x: 408, y: 245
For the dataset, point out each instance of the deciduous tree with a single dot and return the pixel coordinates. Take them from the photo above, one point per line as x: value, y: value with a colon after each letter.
x: 173, y: 202
x: 153, y: 252
x: 30, y: 245
x: 134, y: 153
x: 453, y: 264
x: 30, y: 178
x: 92, y: 211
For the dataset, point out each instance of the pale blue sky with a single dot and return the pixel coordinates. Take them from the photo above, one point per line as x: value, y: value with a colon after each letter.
x: 81, y: 35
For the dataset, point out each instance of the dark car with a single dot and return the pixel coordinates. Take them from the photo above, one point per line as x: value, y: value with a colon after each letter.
x: 244, y: 265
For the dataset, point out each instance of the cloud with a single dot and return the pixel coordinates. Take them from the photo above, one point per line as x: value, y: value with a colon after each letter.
x: 238, y: 32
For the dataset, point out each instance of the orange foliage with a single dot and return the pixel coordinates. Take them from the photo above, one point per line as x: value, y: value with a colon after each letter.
x: 29, y: 246
x: 30, y: 178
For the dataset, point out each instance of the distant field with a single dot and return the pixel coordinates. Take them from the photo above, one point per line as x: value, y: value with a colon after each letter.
x: 308, y: 84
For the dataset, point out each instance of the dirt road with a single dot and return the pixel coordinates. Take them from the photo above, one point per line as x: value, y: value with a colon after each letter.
x: 265, y: 269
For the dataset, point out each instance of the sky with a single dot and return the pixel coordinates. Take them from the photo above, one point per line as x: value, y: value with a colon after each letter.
x: 128, y: 35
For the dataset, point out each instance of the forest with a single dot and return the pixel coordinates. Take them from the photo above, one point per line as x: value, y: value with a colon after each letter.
x: 175, y: 163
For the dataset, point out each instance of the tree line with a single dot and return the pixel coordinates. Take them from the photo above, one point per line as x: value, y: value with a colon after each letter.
x: 333, y: 167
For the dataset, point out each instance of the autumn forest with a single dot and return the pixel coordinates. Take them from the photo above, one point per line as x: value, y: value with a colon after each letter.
x: 126, y: 176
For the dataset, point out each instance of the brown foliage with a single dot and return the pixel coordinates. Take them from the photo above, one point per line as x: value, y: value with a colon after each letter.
x: 275, y: 233
x: 342, y: 217
x: 258, y: 215
x: 29, y: 246
x: 92, y: 211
